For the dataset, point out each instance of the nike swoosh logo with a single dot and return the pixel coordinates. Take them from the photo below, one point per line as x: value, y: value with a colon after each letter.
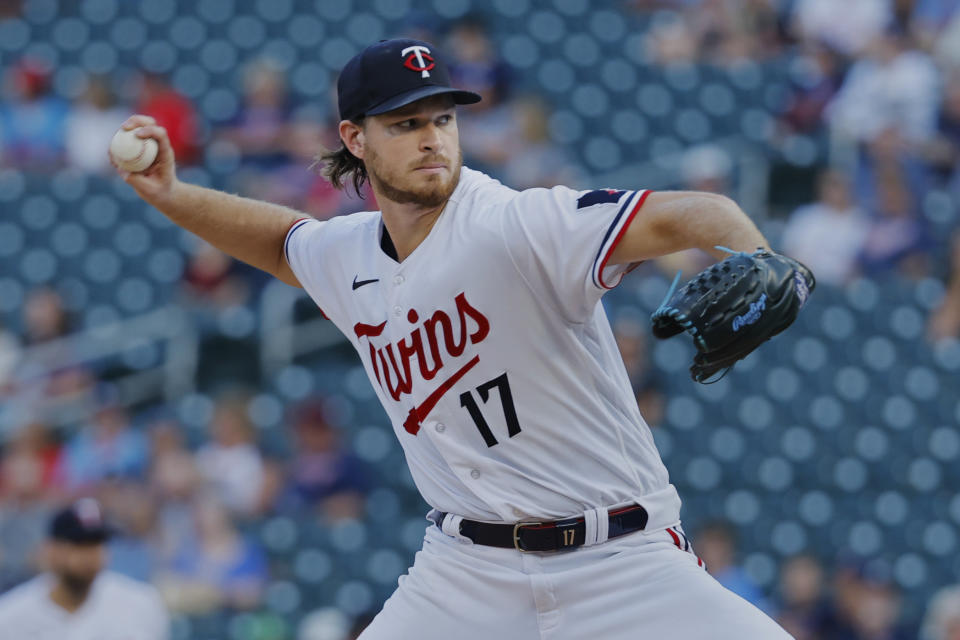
x: 357, y: 285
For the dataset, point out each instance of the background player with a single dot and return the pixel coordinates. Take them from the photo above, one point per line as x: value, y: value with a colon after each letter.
x: 517, y: 276
x: 77, y: 599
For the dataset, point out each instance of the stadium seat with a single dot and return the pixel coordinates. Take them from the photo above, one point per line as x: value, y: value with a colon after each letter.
x: 128, y: 33
x: 282, y: 597
x: 521, y: 50
x: 135, y: 295
x: 556, y: 76
x: 354, y: 597
x: 566, y: 126
x: 654, y: 100
x: 692, y: 125
x: 384, y: 565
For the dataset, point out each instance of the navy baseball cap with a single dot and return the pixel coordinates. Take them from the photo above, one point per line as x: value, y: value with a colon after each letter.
x: 80, y: 523
x: 393, y: 73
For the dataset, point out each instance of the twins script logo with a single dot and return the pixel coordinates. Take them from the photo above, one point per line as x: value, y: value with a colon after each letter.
x: 429, y: 342
x: 424, y: 61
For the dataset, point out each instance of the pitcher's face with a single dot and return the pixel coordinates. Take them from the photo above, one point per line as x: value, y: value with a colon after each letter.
x: 412, y: 154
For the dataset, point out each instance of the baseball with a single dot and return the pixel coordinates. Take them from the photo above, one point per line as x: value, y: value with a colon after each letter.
x: 130, y: 153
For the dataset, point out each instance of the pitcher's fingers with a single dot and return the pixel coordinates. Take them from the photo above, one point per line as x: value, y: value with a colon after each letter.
x: 158, y: 133
x: 138, y: 120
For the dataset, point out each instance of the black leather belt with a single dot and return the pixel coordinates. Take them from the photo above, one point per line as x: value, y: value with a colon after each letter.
x: 560, y: 535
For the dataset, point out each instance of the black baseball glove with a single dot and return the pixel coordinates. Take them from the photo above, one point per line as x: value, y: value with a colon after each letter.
x: 733, y: 307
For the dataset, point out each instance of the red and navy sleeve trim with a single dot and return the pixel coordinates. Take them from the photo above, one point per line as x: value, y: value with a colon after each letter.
x: 677, y: 534
x: 286, y: 245
x: 293, y: 227
x: 621, y: 222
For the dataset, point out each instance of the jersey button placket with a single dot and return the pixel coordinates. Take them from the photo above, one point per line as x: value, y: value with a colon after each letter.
x: 475, y: 474
x: 440, y: 427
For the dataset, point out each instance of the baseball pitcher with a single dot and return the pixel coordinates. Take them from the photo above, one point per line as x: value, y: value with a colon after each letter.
x: 475, y: 310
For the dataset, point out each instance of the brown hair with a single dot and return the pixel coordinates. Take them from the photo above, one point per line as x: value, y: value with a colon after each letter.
x: 339, y: 166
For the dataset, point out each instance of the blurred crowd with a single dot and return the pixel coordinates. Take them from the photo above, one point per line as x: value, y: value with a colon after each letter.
x: 272, y: 138
x: 183, y: 506
x: 877, y: 82
x: 858, y: 600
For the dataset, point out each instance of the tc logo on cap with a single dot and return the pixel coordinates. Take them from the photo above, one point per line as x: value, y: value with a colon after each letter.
x: 88, y: 512
x: 424, y: 61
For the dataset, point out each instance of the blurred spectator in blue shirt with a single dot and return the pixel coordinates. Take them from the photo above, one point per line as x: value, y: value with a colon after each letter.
x: 929, y: 18
x: 260, y: 130
x: 487, y: 128
x: 828, y: 235
x: 943, y: 150
x: 231, y: 463
x: 215, y: 569
x: 875, y: 610
x: 475, y: 63
x: 27, y: 488
x: 898, y: 239
x: 947, y: 46
x: 847, y: 27
x: 94, y: 119
x: 893, y: 86
x: 134, y: 549
x: 716, y: 544
x: 815, y: 78
x: 107, y: 448
x: 32, y: 119
x: 174, y: 479
x: 323, y: 473
x: 802, y: 607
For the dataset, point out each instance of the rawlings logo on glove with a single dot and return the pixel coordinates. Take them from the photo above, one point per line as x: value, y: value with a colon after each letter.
x: 733, y: 307
x: 756, y: 308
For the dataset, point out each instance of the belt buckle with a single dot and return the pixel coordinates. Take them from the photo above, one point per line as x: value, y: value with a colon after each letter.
x: 516, y: 535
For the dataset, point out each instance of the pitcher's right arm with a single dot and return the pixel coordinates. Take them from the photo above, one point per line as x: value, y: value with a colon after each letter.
x: 249, y: 230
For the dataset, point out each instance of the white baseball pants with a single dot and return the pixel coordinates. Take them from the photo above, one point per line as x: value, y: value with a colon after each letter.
x: 641, y: 585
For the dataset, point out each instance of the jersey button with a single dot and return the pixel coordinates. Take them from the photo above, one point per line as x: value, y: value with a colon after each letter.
x: 398, y: 311
x: 440, y: 427
x: 398, y: 280
x: 474, y: 474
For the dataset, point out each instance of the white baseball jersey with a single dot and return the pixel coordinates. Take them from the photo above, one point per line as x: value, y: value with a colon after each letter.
x: 489, y: 351
x: 118, y: 608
